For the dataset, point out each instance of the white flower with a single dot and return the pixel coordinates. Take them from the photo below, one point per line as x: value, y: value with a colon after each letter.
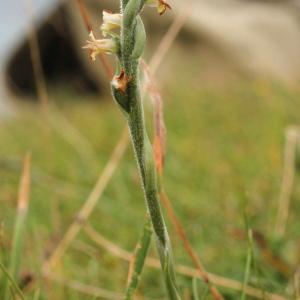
x: 161, y: 5
x: 110, y: 22
x: 100, y: 46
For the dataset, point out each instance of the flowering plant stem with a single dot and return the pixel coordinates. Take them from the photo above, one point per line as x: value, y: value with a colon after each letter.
x: 144, y: 156
x: 126, y: 92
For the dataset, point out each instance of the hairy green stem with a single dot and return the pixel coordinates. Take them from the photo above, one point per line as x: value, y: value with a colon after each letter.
x: 132, y: 42
x: 144, y: 157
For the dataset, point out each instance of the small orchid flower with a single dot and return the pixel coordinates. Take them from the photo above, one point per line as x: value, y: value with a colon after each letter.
x: 110, y: 22
x: 96, y: 46
x: 161, y: 5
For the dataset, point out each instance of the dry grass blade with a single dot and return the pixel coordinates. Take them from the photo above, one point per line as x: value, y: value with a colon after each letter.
x: 297, y: 284
x: 91, y: 202
x: 36, y: 58
x: 58, y: 122
x: 123, y: 254
x: 107, y: 244
x: 84, y: 16
x: 292, y: 136
x: 23, y: 201
x: 274, y: 260
x: 24, y: 188
x: 159, y: 143
x: 70, y: 134
x: 83, y: 288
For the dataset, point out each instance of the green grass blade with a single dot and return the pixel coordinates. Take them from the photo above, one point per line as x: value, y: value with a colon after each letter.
x: 249, y: 259
x: 204, y: 290
x: 11, y: 281
x: 23, y: 199
x: 37, y: 295
x: 139, y: 259
x: 195, y: 289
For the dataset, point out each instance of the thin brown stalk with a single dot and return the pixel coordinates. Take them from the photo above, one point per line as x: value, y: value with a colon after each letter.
x: 90, y: 203
x: 70, y: 134
x: 85, y: 16
x: 24, y: 189
x: 130, y: 269
x: 83, y: 288
x: 36, y: 58
x: 168, y: 39
x: 224, y: 282
x: 271, y: 257
x: 58, y: 122
x: 292, y: 136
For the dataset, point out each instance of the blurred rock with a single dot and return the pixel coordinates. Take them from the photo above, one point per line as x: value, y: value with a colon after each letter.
x: 260, y: 38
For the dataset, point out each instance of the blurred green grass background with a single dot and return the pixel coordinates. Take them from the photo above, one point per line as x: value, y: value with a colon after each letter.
x: 224, y: 158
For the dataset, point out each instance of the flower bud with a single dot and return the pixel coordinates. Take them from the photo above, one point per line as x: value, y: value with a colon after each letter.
x: 161, y: 5
x: 96, y: 46
x: 110, y: 22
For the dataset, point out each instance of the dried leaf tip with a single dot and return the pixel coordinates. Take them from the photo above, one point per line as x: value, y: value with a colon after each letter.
x: 120, y: 82
x: 24, y: 187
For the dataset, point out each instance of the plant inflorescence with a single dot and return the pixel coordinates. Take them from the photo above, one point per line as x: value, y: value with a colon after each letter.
x: 128, y: 47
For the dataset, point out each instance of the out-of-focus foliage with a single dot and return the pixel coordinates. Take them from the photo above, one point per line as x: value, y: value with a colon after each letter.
x: 224, y: 157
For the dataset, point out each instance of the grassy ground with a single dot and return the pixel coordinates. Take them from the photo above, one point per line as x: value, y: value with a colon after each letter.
x: 224, y: 158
